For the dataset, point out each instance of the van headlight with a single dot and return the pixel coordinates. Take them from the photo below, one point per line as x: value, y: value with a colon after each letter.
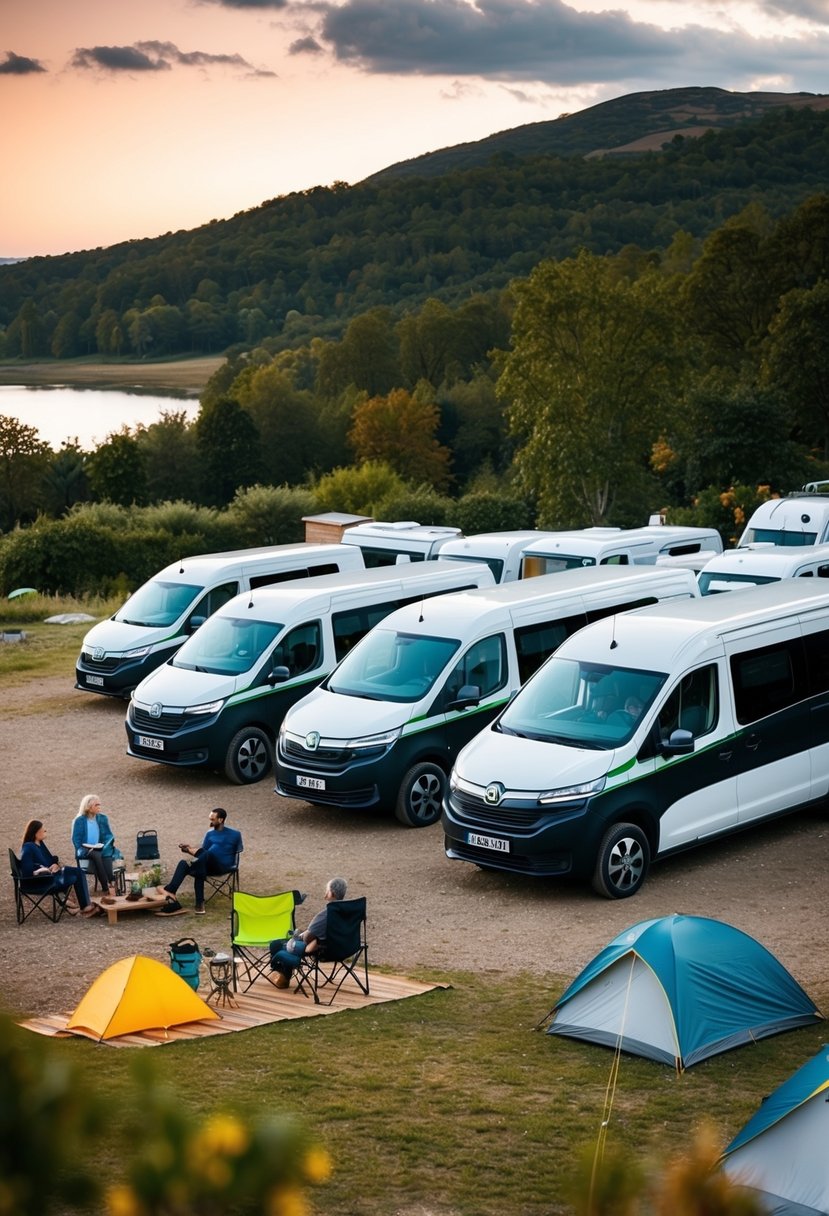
x: 385, y: 739
x: 209, y: 707
x: 572, y: 793
x: 138, y: 653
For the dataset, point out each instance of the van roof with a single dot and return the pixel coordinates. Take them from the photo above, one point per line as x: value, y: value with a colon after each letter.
x: 655, y: 637
x: 769, y: 560
x: 393, y: 531
x: 460, y: 611
x: 492, y: 542
x: 316, y: 592
x: 202, y: 566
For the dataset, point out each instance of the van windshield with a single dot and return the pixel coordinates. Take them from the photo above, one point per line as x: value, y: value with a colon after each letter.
x: 581, y: 704
x: 391, y: 666
x: 227, y: 645
x: 157, y: 603
x: 713, y: 582
x: 777, y: 536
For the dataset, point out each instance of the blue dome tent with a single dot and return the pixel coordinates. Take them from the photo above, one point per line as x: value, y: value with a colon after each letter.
x: 680, y: 989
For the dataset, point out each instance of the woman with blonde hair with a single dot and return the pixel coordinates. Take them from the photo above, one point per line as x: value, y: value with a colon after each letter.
x: 94, y: 841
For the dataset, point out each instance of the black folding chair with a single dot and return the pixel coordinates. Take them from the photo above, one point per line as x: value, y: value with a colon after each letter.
x: 343, y: 955
x: 146, y: 846
x: 223, y: 884
x: 36, y: 894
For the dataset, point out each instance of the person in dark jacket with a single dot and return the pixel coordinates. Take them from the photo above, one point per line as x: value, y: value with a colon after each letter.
x: 218, y: 854
x: 38, y: 863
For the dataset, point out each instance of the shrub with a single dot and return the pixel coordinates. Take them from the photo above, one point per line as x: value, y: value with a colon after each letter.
x: 270, y: 515
x: 490, y: 511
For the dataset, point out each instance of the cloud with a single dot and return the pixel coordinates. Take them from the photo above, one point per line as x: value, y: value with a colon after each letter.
x: 816, y: 11
x: 19, y: 65
x: 548, y: 42
x: 154, y: 56
x: 305, y: 46
x: 248, y: 3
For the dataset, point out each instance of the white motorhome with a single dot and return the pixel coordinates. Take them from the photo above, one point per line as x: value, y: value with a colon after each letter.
x: 559, y: 551
x: 387, y: 544
x: 219, y: 702
x: 502, y: 551
x: 754, y: 565
x: 384, y: 727
x: 148, y: 629
x: 801, y: 518
x: 650, y: 732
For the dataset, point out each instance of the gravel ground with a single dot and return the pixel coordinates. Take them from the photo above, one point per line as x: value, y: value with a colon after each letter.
x: 424, y: 911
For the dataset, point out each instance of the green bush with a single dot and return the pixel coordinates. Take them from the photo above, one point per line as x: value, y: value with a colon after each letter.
x: 425, y: 505
x: 490, y: 511
x: 270, y: 515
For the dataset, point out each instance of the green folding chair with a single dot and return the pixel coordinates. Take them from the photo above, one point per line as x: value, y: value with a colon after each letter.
x: 256, y: 920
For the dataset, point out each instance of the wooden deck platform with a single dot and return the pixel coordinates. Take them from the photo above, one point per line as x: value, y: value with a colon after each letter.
x: 260, y: 1006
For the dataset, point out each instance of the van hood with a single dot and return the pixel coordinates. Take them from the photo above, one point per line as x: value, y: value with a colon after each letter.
x: 526, y: 764
x: 117, y: 638
x: 174, y: 687
x: 335, y: 716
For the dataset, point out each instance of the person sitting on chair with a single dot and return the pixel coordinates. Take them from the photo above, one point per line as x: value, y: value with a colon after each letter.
x: 94, y: 841
x: 37, y: 861
x: 217, y: 855
x: 309, y: 940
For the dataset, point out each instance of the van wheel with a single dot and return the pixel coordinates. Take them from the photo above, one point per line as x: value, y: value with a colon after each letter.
x: 622, y: 861
x: 249, y: 757
x: 420, y: 799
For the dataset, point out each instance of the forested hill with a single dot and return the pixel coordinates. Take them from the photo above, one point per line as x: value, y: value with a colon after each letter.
x: 636, y: 123
x: 305, y: 264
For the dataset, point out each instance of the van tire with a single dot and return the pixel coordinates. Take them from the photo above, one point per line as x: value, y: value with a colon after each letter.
x: 249, y: 756
x: 420, y: 798
x: 622, y: 861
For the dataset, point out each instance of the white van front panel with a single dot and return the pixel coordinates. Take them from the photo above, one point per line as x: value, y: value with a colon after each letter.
x: 324, y: 713
x: 175, y: 686
x: 119, y: 638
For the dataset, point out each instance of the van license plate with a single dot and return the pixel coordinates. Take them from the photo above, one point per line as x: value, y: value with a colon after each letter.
x: 487, y: 842
x: 309, y: 783
x: 155, y: 745
x: 98, y: 681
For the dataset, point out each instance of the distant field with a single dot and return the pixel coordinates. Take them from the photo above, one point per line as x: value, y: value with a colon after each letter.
x: 187, y: 376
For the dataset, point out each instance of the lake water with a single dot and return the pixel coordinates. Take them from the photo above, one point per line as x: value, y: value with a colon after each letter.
x: 88, y: 414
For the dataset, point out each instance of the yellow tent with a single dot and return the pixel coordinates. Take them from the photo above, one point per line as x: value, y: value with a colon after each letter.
x: 136, y: 993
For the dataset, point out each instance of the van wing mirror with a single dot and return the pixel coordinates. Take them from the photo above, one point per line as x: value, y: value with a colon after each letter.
x: 467, y: 696
x: 279, y: 674
x: 679, y: 743
x: 195, y: 623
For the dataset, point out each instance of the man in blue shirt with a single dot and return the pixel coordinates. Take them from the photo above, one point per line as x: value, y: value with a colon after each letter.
x: 219, y: 854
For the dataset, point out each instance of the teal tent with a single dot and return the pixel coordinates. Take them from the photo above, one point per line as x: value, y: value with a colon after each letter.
x: 781, y: 1153
x: 680, y: 989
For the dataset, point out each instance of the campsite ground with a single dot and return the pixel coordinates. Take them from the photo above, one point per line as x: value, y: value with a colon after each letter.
x: 424, y: 911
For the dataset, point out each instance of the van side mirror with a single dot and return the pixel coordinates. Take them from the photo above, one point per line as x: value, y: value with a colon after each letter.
x: 279, y: 674
x: 468, y: 696
x: 195, y: 623
x: 679, y: 743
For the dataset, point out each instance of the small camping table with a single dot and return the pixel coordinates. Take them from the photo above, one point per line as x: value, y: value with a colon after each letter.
x: 120, y: 904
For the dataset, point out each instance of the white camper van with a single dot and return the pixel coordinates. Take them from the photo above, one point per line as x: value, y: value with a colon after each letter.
x: 385, y: 726
x: 387, y: 544
x: 754, y: 565
x: 801, y: 518
x: 650, y: 732
x: 502, y: 551
x: 148, y: 629
x: 559, y: 551
x: 219, y: 702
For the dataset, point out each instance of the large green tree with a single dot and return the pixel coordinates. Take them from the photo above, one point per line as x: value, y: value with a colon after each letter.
x: 796, y: 360
x: 229, y: 451
x: 116, y: 470
x: 587, y: 383
x: 24, y: 461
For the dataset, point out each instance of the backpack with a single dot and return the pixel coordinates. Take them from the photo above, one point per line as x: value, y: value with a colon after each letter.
x: 185, y: 960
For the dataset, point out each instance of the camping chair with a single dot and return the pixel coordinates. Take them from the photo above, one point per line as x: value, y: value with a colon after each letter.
x: 344, y: 950
x: 146, y: 846
x: 35, y: 893
x: 255, y: 921
x: 223, y: 884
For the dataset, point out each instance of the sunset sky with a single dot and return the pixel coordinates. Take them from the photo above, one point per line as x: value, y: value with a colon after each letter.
x: 131, y: 118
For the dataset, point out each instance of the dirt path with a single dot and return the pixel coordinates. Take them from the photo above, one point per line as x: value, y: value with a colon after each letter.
x: 424, y: 911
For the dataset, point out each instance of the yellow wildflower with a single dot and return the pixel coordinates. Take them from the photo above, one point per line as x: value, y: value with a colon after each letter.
x: 316, y: 1165
x: 225, y: 1134
x: 121, y: 1200
x: 287, y: 1201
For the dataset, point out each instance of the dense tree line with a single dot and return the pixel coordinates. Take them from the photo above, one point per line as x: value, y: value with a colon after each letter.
x: 597, y: 389
x: 305, y: 265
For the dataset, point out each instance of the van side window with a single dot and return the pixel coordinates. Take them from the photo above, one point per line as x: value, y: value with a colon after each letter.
x: 214, y: 599
x: 285, y: 576
x: 822, y: 571
x: 300, y: 650
x: 817, y: 660
x: 535, y: 643
x: 597, y: 614
x: 615, y: 559
x: 767, y: 680
x: 373, y: 558
x: 693, y: 705
x: 353, y: 623
x: 484, y: 665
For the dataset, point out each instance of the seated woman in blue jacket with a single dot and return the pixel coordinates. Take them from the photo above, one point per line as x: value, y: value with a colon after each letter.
x: 37, y: 862
x: 93, y: 841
